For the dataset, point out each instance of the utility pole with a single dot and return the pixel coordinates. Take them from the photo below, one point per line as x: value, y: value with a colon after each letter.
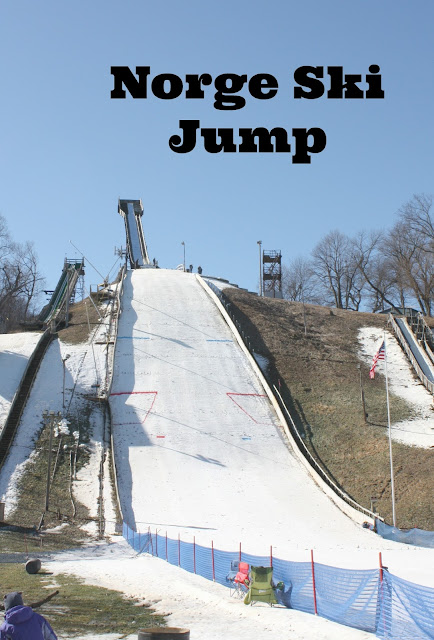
x: 63, y: 394
x: 362, y: 393
x: 304, y: 317
x: 392, y: 480
x: 183, y: 244
x: 260, y: 267
x: 49, y: 419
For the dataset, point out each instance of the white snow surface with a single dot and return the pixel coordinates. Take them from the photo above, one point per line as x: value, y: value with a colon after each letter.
x: 194, y: 458
x: 204, y: 607
x: 15, y: 351
x: 403, y: 382
x: 199, y: 450
x: 84, y: 367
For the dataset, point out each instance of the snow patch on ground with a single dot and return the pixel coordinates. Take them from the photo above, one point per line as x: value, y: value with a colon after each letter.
x: 15, y: 351
x: 204, y: 607
x: 262, y: 362
x: 67, y: 373
x: 418, y: 431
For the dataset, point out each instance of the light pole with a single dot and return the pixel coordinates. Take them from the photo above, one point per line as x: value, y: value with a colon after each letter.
x: 183, y: 244
x: 63, y: 362
x: 260, y: 267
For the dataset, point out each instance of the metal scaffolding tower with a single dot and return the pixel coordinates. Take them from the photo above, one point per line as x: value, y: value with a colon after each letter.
x: 272, y: 274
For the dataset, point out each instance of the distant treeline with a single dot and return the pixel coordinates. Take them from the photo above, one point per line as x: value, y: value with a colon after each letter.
x: 371, y: 271
x: 20, y: 280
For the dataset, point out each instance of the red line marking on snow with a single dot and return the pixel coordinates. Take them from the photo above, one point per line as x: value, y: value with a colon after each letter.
x: 161, y: 436
x: 127, y: 393
x: 254, y: 395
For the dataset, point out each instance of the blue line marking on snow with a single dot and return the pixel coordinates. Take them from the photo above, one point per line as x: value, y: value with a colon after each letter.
x: 246, y: 437
x: 133, y: 338
x: 211, y: 340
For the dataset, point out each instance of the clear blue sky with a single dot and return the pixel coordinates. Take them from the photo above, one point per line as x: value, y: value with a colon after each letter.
x: 68, y: 151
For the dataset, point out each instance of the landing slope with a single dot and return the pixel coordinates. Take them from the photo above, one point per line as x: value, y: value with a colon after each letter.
x: 198, y: 448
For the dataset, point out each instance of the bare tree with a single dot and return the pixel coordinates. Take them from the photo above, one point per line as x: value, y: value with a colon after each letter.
x: 338, y: 272
x: 383, y: 286
x: 416, y: 215
x: 20, y: 280
x: 298, y: 281
x: 413, y: 263
x: 398, y: 265
x: 33, y: 282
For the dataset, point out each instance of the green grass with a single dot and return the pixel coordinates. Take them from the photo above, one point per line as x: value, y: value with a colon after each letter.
x: 79, y: 608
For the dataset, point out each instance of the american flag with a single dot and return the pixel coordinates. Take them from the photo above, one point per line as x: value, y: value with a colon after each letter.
x: 380, y: 355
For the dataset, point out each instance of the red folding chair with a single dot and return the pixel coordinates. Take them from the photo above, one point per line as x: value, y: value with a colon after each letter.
x: 241, y: 580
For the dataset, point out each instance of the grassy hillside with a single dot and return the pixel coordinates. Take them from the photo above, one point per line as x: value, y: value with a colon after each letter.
x: 317, y: 371
x: 31, y: 486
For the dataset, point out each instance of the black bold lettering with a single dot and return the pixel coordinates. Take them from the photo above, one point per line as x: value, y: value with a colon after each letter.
x: 230, y: 102
x: 374, y: 83
x: 337, y: 84
x: 263, y: 82
x: 302, y: 148
x: 210, y: 140
x: 175, y: 86
x: 264, y: 136
x: 316, y: 86
x: 195, y: 85
x: 124, y: 76
x: 179, y: 145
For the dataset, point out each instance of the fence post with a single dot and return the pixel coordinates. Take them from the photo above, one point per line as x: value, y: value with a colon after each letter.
x: 212, y: 556
x: 194, y: 553
x: 381, y: 594
x: 271, y: 555
x: 150, y: 539
x: 179, y: 551
x: 313, y: 581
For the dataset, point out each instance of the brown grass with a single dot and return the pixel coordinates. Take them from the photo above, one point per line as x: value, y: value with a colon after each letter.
x: 320, y: 384
x: 31, y: 486
x: 82, y: 317
x: 79, y: 608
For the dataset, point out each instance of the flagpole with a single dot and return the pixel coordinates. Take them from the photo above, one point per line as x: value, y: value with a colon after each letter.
x: 392, y: 483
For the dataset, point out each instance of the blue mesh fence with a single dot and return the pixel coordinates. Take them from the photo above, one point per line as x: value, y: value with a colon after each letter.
x: 415, y: 536
x: 405, y: 611
x: 347, y: 597
x: 298, y: 584
x: 392, y: 608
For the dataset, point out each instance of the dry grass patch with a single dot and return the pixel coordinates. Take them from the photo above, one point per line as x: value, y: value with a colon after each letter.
x: 82, y: 316
x: 79, y: 609
x: 312, y: 353
x: 32, y: 487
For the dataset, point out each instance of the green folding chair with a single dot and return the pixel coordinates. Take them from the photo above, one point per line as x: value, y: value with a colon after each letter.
x: 260, y: 589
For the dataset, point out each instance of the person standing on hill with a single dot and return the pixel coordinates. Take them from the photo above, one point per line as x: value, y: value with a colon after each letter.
x: 22, y: 623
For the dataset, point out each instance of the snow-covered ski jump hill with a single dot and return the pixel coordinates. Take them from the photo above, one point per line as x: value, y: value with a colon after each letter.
x: 199, y: 449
